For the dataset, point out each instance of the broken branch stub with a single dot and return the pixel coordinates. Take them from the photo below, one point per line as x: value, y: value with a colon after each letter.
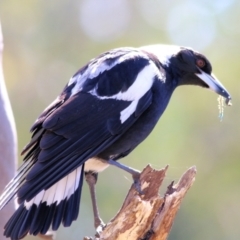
x: 146, y: 215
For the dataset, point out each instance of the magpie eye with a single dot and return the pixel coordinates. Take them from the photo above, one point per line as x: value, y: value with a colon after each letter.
x: 201, y: 63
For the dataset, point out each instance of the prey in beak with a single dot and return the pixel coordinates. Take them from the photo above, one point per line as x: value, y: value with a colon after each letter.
x: 215, y: 85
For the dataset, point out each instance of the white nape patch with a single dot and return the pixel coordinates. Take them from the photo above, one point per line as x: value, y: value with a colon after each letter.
x: 95, y: 165
x: 59, y: 191
x: 127, y: 112
x: 98, y: 65
x: 140, y: 86
x: 162, y: 52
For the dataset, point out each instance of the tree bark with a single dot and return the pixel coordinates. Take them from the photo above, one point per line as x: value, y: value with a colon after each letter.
x: 8, y: 143
x: 144, y: 214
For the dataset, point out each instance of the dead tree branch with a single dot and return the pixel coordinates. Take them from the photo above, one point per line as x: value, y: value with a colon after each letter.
x: 147, y: 216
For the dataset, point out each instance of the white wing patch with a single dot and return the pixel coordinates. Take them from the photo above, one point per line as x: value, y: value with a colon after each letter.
x: 162, y: 51
x: 99, y: 66
x: 139, y: 87
x: 127, y: 112
x: 134, y: 93
x: 61, y: 190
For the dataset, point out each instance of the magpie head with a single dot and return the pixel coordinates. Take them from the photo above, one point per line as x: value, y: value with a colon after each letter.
x: 187, y: 67
x: 193, y: 68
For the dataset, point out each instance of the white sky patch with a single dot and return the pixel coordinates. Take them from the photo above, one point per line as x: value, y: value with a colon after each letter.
x: 59, y: 191
x: 104, y: 21
x: 192, y: 23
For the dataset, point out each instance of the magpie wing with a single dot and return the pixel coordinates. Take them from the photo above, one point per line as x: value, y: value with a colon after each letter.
x: 79, y: 126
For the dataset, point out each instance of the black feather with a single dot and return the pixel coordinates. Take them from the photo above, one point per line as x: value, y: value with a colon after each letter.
x: 50, y: 210
x: 143, y: 103
x: 111, y: 82
x: 17, y: 226
x: 73, y: 204
x: 38, y: 219
x: 25, y: 226
x: 58, y: 215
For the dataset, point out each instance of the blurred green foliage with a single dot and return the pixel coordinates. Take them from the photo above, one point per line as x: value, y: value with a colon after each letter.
x: 47, y: 41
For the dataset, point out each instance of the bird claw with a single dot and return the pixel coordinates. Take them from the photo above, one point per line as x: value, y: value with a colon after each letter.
x: 99, y: 225
x: 138, y: 187
x: 137, y: 183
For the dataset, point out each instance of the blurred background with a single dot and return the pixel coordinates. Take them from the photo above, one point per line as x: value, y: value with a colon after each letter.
x: 46, y: 42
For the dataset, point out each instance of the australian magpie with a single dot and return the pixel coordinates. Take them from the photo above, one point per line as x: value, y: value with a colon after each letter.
x: 106, y: 110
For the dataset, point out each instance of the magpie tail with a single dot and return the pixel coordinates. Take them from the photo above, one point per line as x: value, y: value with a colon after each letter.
x: 48, y: 209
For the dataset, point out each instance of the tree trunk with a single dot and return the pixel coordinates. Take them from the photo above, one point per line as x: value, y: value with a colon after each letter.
x: 8, y: 144
x: 146, y: 215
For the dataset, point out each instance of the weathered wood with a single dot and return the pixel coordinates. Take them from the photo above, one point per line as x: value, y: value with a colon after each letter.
x: 164, y: 219
x: 50, y: 235
x: 146, y: 215
x: 8, y: 145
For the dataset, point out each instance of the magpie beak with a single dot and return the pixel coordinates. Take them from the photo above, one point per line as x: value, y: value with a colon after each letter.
x: 214, y: 84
